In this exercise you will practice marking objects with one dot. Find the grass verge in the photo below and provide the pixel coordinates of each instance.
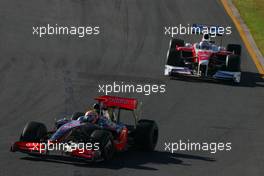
(252, 12)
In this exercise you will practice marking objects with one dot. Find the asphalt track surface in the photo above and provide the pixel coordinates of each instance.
(43, 79)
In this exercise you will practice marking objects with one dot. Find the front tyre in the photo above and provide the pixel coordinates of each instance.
(106, 144)
(233, 63)
(33, 132)
(234, 48)
(176, 42)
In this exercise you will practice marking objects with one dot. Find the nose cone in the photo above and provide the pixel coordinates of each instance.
(204, 55)
(64, 129)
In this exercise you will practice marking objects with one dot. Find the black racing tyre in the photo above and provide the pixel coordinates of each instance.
(176, 42)
(233, 63)
(236, 49)
(76, 115)
(174, 59)
(146, 136)
(106, 144)
(33, 131)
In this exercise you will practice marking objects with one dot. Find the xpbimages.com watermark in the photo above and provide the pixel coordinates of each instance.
(188, 145)
(66, 147)
(121, 87)
(79, 31)
(188, 29)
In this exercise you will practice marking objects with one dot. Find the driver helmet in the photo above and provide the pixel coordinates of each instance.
(206, 37)
(96, 106)
(100, 108)
(91, 117)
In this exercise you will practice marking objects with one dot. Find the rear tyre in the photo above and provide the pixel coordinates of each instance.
(146, 136)
(233, 63)
(76, 115)
(33, 131)
(176, 42)
(106, 144)
(234, 48)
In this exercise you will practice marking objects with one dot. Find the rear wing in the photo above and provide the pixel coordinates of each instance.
(122, 103)
(207, 29)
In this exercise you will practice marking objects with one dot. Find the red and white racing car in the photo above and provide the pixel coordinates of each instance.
(204, 60)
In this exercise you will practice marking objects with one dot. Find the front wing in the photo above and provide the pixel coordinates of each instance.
(186, 72)
(38, 149)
